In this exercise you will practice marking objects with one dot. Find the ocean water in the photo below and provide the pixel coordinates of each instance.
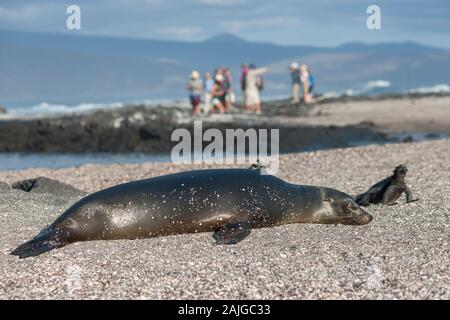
(19, 161)
(373, 87)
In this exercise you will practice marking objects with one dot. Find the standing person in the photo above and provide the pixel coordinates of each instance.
(304, 78)
(209, 82)
(295, 77)
(312, 83)
(252, 88)
(195, 87)
(219, 93)
(244, 72)
(227, 85)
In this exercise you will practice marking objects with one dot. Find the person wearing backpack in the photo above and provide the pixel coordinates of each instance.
(253, 85)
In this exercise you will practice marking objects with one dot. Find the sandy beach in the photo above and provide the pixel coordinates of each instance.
(420, 114)
(402, 254)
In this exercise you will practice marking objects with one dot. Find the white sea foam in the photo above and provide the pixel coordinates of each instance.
(370, 87)
(49, 108)
(330, 94)
(45, 108)
(439, 88)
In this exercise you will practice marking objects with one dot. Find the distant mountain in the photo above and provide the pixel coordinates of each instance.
(64, 68)
(225, 38)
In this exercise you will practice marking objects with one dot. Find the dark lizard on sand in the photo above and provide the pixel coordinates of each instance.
(388, 190)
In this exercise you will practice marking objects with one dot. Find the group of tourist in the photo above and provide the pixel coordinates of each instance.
(214, 92)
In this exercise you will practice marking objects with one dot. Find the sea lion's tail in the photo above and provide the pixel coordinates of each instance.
(45, 241)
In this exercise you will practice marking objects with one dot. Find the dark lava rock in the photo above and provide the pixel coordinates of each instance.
(432, 135)
(46, 185)
(408, 139)
(367, 123)
(286, 108)
(146, 129)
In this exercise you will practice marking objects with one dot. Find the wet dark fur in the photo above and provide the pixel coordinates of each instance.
(228, 202)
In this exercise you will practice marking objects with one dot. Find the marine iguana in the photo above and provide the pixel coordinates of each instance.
(388, 190)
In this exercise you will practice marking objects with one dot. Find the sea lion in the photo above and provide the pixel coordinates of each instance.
(388, 190)
(228, 202)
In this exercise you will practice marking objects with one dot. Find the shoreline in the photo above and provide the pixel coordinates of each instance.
(401, 254)
(184, 104)
(145, 129)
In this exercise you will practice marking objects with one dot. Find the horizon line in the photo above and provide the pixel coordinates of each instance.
(238, 37)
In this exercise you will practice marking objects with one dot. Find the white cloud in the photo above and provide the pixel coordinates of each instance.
(237, 26)
(19, 14)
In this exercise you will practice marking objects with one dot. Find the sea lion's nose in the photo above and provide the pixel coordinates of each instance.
(365, 218)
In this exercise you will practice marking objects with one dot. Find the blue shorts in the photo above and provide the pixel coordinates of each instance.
(195, 100)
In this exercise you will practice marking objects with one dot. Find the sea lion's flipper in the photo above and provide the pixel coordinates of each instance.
(232, 233)
(43, 242)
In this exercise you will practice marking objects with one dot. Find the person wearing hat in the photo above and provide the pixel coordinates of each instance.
(295, 76)
(195, 88)
(219, 93)
(253, 87)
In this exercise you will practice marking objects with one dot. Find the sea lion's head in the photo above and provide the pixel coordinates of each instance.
(347, 211)
(400, 171)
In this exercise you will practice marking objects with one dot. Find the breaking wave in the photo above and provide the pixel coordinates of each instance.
(45, 108)
(439, 88)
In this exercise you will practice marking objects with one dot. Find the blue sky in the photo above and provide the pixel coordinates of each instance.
(324, 23)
